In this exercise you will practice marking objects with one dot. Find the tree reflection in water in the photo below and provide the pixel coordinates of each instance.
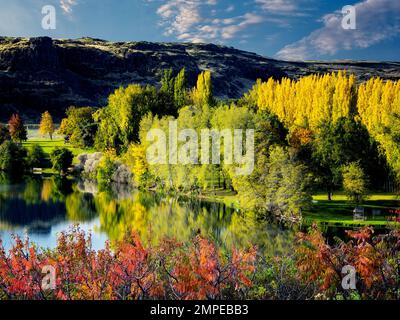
(40, 204)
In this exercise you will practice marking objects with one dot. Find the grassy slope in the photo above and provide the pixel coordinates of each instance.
(49, 145)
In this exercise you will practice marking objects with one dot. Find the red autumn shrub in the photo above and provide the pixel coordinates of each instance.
(20, 272)
(172, 270)
(200, 272)
(376, 260)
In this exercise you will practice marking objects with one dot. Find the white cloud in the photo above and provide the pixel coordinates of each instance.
(377, 20)
(289, 8)
(180, 16)
(230, 8)
(66, 5)
(222, 29)
(204, 21)
(247, 20)
(278, 6)
(193, 21)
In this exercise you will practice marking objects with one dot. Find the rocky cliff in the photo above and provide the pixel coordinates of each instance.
(40, 74)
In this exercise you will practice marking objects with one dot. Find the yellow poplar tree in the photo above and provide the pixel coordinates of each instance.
(308, 101)
(47, 125)
(304, 104)
(202, 94)
(379, 108)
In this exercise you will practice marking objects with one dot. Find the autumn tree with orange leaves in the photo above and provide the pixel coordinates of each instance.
(17, 128)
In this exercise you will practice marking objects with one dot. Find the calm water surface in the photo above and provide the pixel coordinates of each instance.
(42, 208)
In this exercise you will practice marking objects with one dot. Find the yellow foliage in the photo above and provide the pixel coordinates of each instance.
(46, 125)
(308, 101)
(202, 94)
(379, 108)
(111, 154)
(314, 99)
(135, 158)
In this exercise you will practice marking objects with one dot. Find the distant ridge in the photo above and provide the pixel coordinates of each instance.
(38, 74)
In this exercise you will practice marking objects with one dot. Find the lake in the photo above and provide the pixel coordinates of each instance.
(42, 208)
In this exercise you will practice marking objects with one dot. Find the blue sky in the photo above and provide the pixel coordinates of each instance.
(285, 29)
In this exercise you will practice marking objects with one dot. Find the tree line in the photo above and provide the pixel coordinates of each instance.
(16, 160)
(321, 132)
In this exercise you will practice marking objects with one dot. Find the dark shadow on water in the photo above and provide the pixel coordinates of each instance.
(37, 204)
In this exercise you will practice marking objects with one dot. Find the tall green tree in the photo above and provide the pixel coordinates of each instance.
(337, 144)
(12, 158)
(79, 127)
(172, 94)
(61, 159)
(119, 122)
(180, 89)
(355, 182)
(168, 82)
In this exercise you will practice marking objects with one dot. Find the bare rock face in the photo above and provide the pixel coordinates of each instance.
(39, 74)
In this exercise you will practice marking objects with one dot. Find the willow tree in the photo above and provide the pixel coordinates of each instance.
(278, 186)
(118, 122)
(355, 182)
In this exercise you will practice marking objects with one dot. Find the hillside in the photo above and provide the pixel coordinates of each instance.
(40, 74)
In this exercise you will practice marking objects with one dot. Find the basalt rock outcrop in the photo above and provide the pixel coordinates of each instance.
(39, 74)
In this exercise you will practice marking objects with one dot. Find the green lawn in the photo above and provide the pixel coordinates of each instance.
(340, 210)
(342, 197)
(49, 145)
(337, 212)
